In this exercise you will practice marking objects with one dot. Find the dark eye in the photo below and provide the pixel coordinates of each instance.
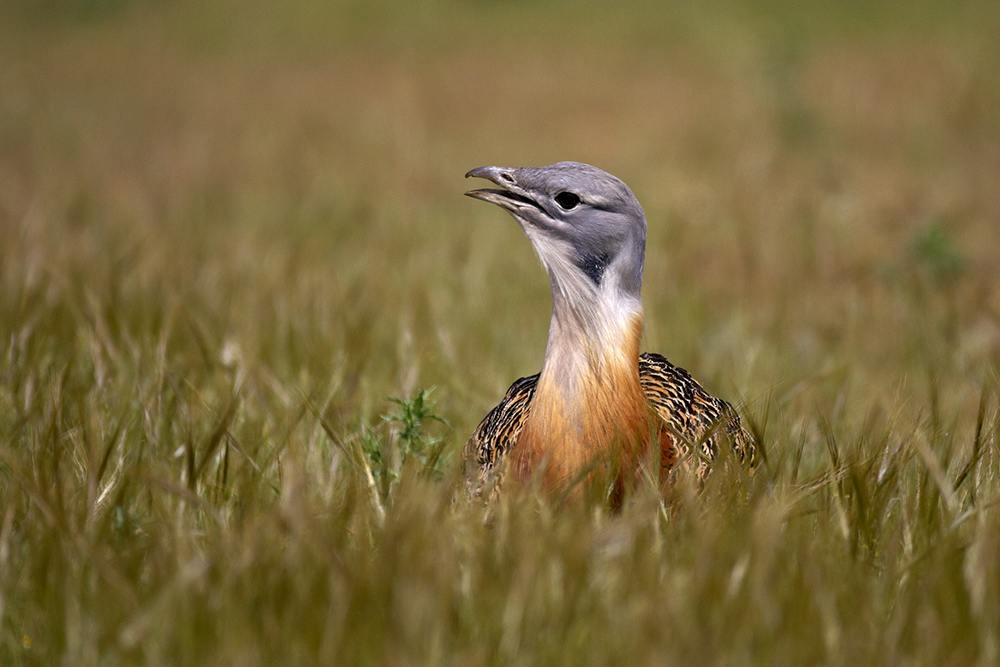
(567, 200)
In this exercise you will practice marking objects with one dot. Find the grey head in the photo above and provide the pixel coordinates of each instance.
(585, 224)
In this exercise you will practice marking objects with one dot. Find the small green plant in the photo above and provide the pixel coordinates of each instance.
(414, 416)
(409, 442)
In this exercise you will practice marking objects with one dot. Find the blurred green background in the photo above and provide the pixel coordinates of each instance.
(230, 231)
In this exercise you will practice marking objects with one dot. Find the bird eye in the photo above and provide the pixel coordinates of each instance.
(567, 200)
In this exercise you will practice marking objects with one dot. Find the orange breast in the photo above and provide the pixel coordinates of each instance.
(600, 424)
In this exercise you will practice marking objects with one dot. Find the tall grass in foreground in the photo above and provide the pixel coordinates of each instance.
(229, 235)
(138, 541)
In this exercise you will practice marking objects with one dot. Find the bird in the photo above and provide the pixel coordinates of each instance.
(597, 403)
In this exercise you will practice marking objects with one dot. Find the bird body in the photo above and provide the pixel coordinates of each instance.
(597, 404)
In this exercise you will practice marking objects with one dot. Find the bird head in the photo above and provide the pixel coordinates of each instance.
(585, 224)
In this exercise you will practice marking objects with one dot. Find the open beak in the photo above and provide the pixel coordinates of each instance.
(511, 197)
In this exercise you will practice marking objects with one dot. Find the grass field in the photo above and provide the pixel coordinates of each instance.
(229, 234)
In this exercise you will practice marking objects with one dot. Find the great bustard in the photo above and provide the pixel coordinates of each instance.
(597, 402)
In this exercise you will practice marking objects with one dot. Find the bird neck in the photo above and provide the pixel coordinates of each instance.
(589, 406)
(592, 340)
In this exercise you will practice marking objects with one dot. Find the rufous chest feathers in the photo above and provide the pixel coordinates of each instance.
(589, 415)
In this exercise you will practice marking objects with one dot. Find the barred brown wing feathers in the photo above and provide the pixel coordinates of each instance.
(695, 415)
(496, 434)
